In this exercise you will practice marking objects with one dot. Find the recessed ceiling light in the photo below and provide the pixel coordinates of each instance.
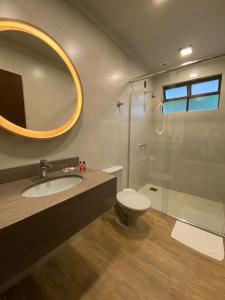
(185, 51)
(188, 62)
(159, 2)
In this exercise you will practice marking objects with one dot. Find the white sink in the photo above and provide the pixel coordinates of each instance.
(52, 186)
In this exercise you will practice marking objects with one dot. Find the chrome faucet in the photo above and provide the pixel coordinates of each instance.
(44, 166)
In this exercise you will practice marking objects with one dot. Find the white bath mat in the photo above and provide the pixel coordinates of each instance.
(199, 240)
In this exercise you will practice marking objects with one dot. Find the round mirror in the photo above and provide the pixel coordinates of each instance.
(40, 90)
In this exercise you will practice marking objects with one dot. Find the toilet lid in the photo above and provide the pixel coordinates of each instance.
(133, 200)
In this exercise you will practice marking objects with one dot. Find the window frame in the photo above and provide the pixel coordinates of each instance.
(189, 84)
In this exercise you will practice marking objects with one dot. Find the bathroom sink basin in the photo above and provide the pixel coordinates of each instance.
(52, 186)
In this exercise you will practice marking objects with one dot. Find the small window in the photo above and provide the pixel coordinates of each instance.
(175, 106)
(209, 86)
(176, 92)
(201, 94)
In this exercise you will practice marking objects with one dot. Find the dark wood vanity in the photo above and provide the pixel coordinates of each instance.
(32, 228)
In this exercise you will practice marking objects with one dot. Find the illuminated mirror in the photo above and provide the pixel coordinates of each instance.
(40, 90)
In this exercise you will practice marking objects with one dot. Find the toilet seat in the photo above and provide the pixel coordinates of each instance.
(133, 200)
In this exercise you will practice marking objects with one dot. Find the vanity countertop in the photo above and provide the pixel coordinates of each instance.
(14, 207)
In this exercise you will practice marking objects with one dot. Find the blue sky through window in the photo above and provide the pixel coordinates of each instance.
(176, 92)
(205, 87)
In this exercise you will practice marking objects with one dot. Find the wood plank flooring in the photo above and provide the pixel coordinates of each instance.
(105, 262)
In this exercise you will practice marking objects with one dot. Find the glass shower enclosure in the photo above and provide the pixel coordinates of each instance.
(177, 159)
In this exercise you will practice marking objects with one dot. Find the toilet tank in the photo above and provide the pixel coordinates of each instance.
(116, 171)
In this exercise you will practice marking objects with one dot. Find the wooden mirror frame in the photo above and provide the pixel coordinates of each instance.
(9, 24)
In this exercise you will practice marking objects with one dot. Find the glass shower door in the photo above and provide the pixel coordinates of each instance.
(177, 159)
(146, 149)
(196, 190)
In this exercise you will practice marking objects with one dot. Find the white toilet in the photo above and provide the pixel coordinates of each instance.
(130, 204)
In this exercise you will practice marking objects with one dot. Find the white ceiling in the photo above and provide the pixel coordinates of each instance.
(152, 31)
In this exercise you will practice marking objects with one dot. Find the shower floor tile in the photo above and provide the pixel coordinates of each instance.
(204, 213)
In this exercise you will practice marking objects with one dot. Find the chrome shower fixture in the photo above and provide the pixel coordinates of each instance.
(119, 104)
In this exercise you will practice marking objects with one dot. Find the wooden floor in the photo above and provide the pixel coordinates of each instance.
(106, 262)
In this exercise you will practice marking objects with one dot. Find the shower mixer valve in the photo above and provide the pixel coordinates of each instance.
(142, 146)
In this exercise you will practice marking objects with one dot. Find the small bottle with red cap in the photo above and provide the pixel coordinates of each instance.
(82, 166)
